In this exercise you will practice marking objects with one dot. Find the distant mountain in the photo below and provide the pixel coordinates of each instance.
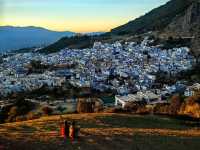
(12, 38)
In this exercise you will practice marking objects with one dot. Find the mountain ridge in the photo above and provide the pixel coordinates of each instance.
(26, 37)
(30, 27)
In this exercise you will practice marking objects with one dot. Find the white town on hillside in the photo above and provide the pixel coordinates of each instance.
(129, 69)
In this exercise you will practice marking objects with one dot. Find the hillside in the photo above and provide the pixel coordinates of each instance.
(77, 42)
(177, 18)
(187, 25)
(157, 19)
(27, 37)
(103, 131)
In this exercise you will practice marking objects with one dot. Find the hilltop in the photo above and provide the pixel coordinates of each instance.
(103, 131)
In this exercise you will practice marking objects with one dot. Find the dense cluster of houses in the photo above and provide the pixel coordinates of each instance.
(125, 68)
(155, 96)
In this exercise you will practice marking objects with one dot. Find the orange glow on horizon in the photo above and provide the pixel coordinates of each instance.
(81, 27)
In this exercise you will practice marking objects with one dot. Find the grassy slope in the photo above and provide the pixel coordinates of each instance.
(103, 131)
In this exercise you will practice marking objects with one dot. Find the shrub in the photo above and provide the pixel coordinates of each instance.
(12, 114)
(21, 118)
(143, 110)
(47, 110)
(31, 116)
(161, 109)
(175, 105)
(13, 111)
(61, 109)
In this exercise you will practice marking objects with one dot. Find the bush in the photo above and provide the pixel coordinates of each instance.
(12, 114)
(175, 105)
(47, 110)
(21, 118)
(114, 110)
(191, 106)
(144, 110)
(61, 109)
(13, 111)
(161, 109)
(131, 107)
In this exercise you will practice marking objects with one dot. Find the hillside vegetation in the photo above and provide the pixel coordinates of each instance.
(77, 42)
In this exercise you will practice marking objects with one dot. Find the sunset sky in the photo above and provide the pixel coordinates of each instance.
(73, 15)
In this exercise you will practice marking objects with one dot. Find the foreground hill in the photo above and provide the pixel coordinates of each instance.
(26, 37)
(103, 131)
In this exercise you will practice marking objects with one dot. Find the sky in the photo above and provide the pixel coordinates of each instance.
(74, 15)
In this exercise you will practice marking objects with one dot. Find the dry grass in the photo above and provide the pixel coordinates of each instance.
(116, 131)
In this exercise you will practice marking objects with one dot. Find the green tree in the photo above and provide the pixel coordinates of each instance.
(61, 109)
(47, 110)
